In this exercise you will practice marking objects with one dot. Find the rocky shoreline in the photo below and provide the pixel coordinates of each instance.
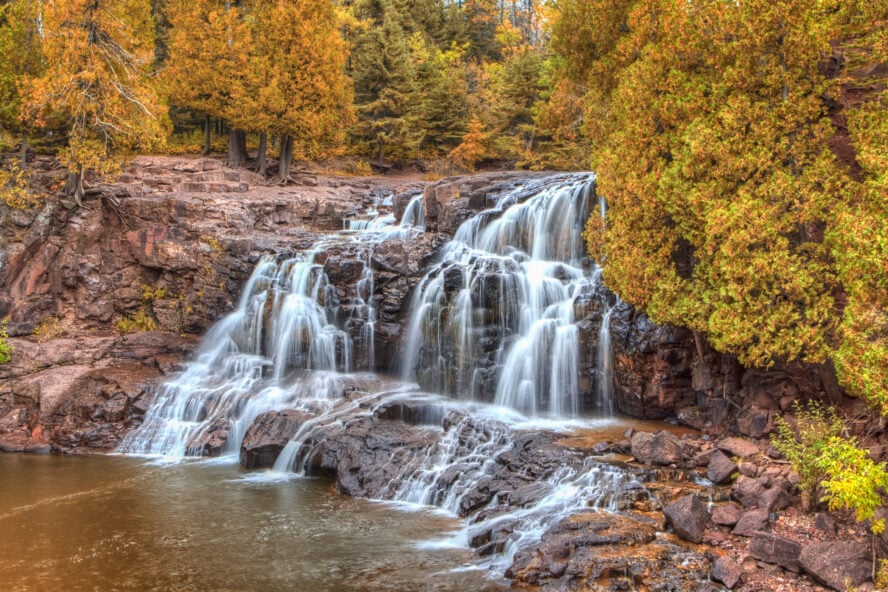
(175, 239)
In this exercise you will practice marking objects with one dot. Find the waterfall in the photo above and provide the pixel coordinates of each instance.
(414, 213)
(494, 320)
(494, 335)
(280, 347)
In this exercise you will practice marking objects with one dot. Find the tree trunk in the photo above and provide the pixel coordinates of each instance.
(74, 187)
(237, 148)
(24, 149)
(261, 162)
(380, 150)
(286, 157)
(208, 128)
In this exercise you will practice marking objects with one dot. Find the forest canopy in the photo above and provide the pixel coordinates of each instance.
(742, 147)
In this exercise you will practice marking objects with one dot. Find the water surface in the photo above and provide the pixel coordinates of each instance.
(114, 523)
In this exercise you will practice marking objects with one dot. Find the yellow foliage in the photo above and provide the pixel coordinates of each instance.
(471, 150)
(50, 328)
(99, 58)
(15, 188)
(138, 323)
(728, 211)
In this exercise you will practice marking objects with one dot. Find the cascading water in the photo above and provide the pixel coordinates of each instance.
(494, 321)
(280, 346)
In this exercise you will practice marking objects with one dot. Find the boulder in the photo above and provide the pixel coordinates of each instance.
(662, 448)
(837, 564)
(726, 514)
(267, 436)
(688, 517)
(772, 548)
(748, 491)
(720, 468)
(775, 499)
(751, 522)
(727, 571)
(738, 447)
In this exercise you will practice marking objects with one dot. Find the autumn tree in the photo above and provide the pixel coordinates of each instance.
(471, 149)
(21, 60)
(712, 145)
(208, 50)
(99, 55)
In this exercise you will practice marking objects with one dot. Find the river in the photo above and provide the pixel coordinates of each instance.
(116, 523)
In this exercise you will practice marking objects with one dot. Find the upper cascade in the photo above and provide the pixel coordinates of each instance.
(495, 320)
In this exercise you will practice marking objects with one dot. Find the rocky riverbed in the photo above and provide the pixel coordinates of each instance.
(172, 242)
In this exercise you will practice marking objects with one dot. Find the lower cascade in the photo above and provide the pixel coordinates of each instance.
(506, 350)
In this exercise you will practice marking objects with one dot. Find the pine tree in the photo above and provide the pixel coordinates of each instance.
(99, 55)
(21, 60)
(384, 69)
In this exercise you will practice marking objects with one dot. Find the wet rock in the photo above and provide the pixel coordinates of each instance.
(726, 514)
(267, 436)
(837, 564)
(751, 522)
(662, 448)
(720, 468)
(688, 517)
(211, 441)
(776, 549)
(573, 546)
(727, 571)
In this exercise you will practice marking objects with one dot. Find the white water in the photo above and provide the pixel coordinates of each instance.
(494, 320)
(499, 308)
(278, 349)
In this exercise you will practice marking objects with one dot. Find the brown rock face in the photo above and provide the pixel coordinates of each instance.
(720, 468)
(662, 448)
(727, 571)
(776, 549)
(838, 565)
(81, 394)
(268, 435)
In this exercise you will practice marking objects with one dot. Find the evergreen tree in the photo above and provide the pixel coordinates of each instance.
(383, 68)
(729, 212)
(99, 55)
(295, 85)
(21, 60)
(208, 49)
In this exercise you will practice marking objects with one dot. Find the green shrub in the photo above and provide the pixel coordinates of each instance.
(5, 348)
(806, 444)
(827, 459)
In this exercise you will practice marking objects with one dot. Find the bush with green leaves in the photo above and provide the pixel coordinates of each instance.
(5, 348)
(806, 443)
(829, 461)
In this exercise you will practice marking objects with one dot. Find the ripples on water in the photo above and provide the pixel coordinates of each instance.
(90, 523)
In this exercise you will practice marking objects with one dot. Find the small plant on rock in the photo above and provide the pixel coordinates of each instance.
(825, 458)
(138, 323)
(806, 444)
(5, 348)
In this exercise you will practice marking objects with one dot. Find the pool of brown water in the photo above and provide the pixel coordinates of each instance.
(117, 523)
